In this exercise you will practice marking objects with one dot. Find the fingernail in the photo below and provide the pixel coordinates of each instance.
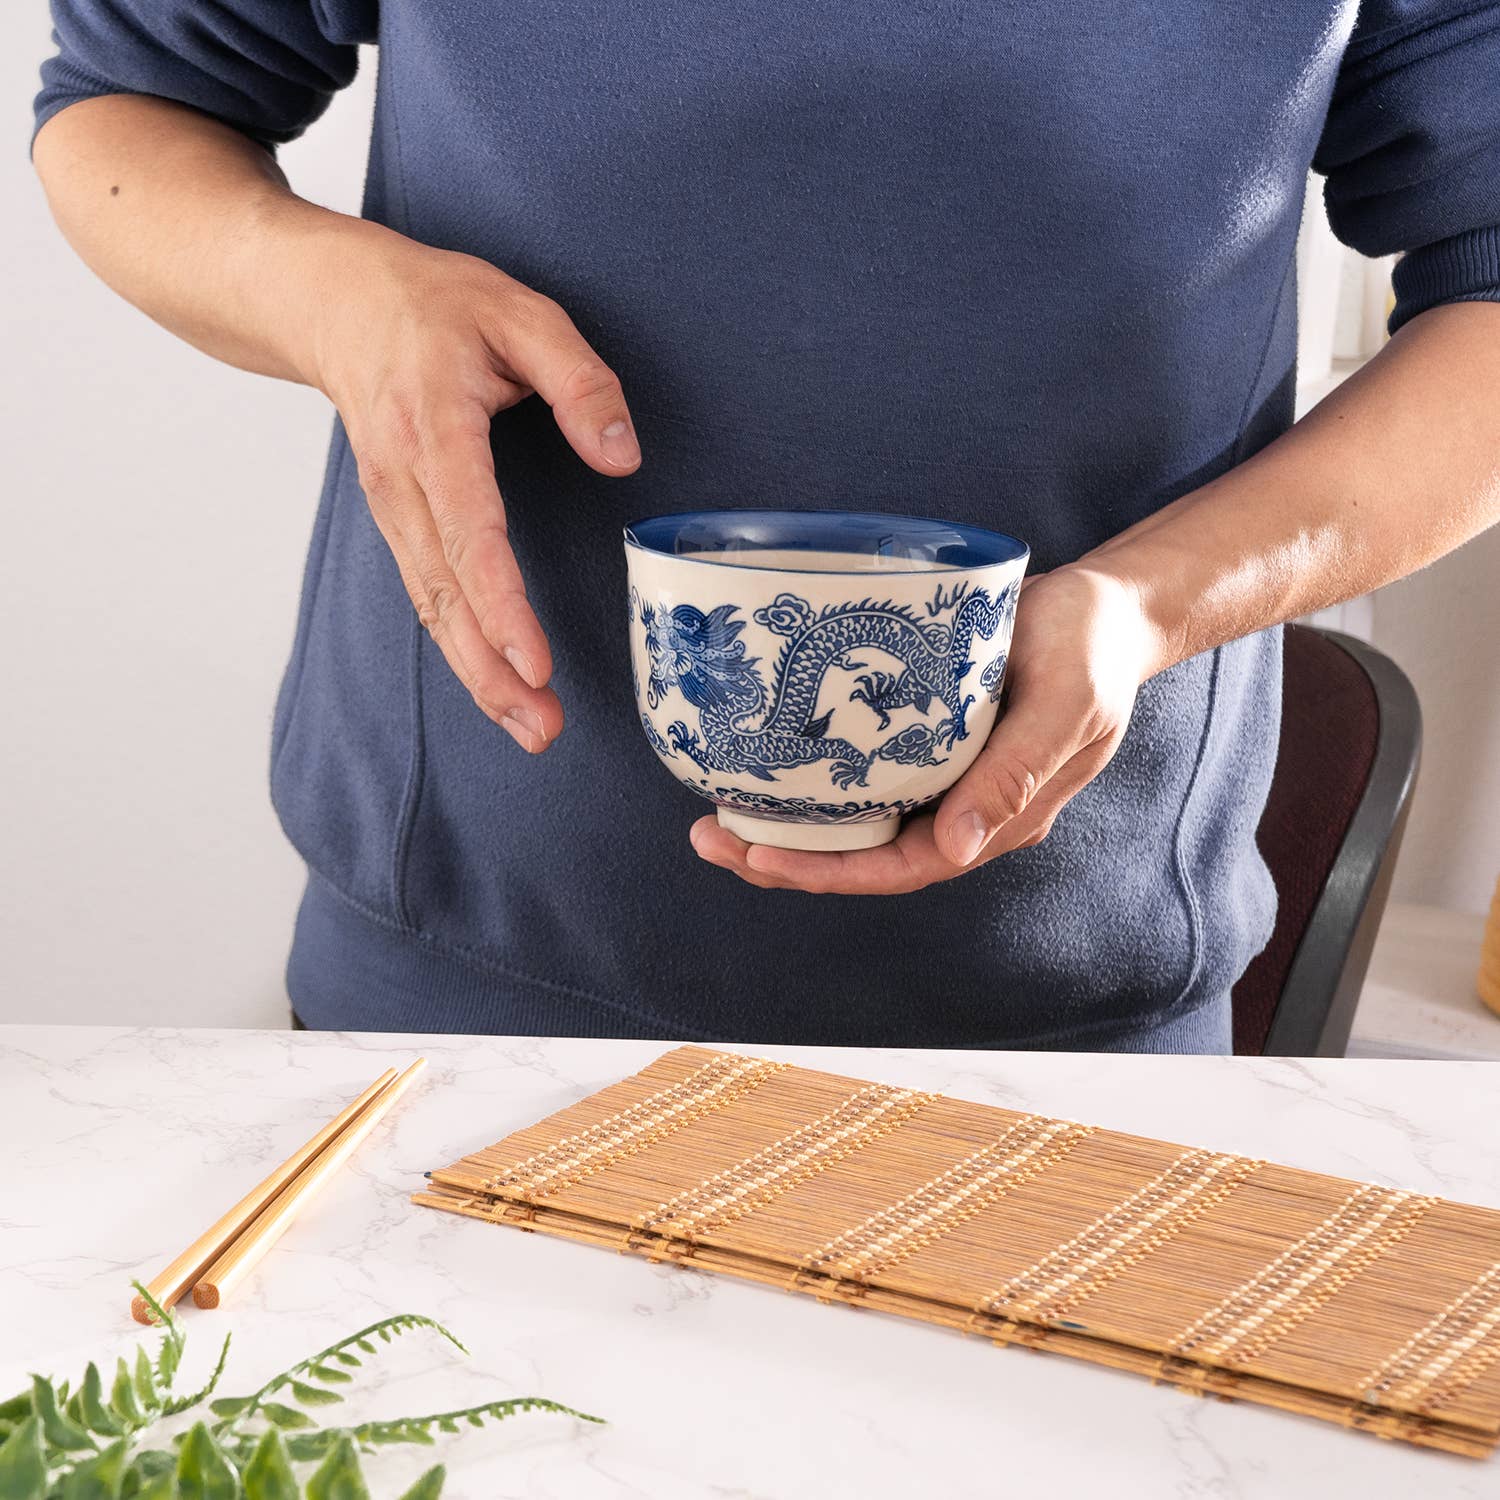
(617, 443)
(522, 663)
(966, 838)
(524, 727)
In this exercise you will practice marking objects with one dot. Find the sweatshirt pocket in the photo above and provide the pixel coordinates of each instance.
(344, 747)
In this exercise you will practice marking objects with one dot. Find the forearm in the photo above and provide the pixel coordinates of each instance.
(1398, 466)
(417, 347)
(195, 224)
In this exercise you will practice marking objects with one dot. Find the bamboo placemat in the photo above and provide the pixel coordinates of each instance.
(1226, 1276)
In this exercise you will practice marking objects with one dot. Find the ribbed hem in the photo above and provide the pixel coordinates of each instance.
(349, 971)
(1204, 1031)
(1465, 268)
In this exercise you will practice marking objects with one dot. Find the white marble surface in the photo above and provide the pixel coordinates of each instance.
(123, 1145)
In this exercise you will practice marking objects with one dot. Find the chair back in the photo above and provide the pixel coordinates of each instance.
(1351, 734)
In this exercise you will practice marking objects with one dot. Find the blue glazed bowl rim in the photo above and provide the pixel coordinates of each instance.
(828, 531)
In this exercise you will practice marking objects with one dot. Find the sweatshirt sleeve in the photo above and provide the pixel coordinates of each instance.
(1411, 148)
(266, 67)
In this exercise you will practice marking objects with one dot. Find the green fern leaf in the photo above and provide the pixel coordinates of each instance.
(381, 1434)
(306, 1447)
(169, 1357)
(203, 1472)
(59, 1431)
(91, 1408)
(144, 1381)
(385, 1329)
(23, 1466)
(149, 1463)
(100, 1478)
(286, 1417)
(312, 1395)
(338, 1477)
(419, 1429)
(49, 1437)
(122, 1398)
(429, 1486)
(161, 1486)
(182, 1403)
(268, 1475)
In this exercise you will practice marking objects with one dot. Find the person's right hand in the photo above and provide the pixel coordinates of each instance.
(418, 349)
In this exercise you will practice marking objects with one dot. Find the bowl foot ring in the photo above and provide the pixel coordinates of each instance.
(782, 833)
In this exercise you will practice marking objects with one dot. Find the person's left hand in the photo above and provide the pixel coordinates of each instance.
(1083, 645)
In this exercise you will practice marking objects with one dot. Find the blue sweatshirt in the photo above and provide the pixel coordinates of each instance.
(1027, 266)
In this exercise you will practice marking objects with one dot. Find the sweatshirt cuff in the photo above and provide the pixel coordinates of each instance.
(1465, 268)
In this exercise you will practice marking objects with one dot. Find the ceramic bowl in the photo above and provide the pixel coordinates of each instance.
(816, 674)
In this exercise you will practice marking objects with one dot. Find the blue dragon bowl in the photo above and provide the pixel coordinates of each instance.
(817, 674)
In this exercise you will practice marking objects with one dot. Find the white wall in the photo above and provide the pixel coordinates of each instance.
(157, 509)
(1443, 627)
(157, 506)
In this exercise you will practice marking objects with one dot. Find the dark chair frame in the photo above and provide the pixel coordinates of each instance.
(1315, 1012)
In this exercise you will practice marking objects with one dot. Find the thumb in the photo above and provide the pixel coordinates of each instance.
(1025, 750)
(549, 354)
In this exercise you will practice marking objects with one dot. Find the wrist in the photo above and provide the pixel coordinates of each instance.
(1153, 607)
(326, 270)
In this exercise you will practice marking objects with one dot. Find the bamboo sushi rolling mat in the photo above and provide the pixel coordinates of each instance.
(1227, 1276)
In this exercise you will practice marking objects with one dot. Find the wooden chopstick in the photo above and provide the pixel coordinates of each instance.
(240, 1257)
(171, 1283)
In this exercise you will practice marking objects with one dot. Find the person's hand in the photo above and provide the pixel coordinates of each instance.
(418, 349)
(1082, 648)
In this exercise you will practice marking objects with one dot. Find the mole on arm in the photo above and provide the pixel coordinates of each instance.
(114, 192)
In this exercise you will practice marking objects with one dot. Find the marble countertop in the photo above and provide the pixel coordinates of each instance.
(132, 1141)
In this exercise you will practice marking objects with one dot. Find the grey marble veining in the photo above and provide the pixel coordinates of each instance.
(123, 1145)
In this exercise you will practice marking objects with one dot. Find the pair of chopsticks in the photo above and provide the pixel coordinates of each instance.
(220, 1258)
